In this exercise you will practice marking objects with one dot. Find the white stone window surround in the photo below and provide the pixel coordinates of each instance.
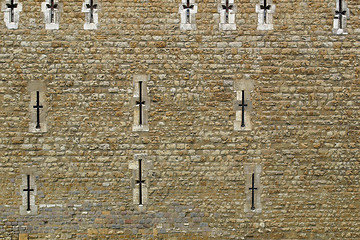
(227, 23)
(51, 20)
(265, 18)
(146, 166)
(35, 88)
(91, 21)
(340, 17)
(11, 17)
(247, 86)
(188, 10)
(24, 194)
(249, 170)
(144, 126)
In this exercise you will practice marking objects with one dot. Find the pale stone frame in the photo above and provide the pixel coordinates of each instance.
(15, 24)
(87, 24)
(232, 24)
(33, 207)
(261, 25)
(145, 125)
(47, 17)
(33, 87)
(336, 29)
(145, 168)
(249, 169)
(248, 87)
(183, 23)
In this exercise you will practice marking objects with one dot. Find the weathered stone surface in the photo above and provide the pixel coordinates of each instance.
(305, 123)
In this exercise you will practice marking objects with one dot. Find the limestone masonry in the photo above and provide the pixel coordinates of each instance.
(186, 119)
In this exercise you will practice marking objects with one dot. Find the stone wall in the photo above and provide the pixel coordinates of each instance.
(305, 123)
